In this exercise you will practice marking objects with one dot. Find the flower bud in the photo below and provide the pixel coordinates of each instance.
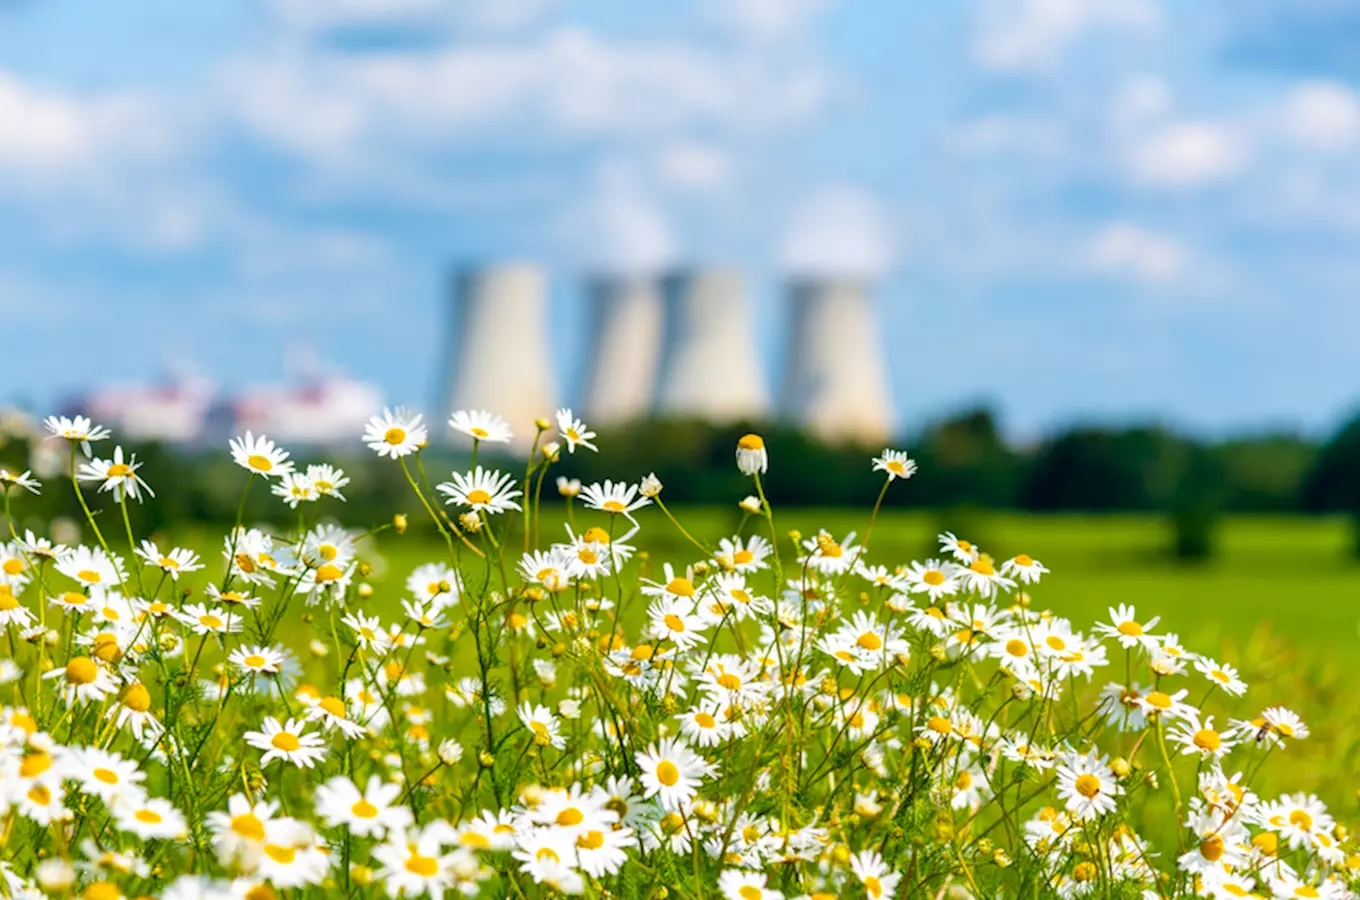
(750, 505)
(450, 752)
(651, 486)
(399, 523)
(471, 522)
(485, 759)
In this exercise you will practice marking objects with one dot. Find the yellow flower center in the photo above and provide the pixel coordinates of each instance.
(478, 497)
(333, 706)
(1159, 700)
(88, 575)
(742, 557)
(210, 621)
(1207, 739)
(751, 442)
(869, 641)
(1087, 785)
(34, 764)
(328, 573)
(394, 436)
(749, 892)
(570, 816)
(424, 866)
(364, 810)
(13, 566)
(674, 622)
(933, 577)
(108, 776)
(254, 661)
(591, 840)
(705, 720)
(667, 773)
(940, 725)
(136, 697)
(1211, 848)
(285, 742)
(248, 826)
(149, 816)
(1130, 628)
(81, 670)
(680, 587)
(259, 463)
(117, 470)
(280, 853)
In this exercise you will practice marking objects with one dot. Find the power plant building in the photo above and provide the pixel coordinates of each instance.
(709, 368)
(835, 377)
(626, 321)
(499, 348)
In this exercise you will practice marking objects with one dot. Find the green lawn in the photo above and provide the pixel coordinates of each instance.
(1290, 576)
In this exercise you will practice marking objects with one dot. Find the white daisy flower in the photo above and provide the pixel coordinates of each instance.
(481, 426)
(672, 772)
(574, 431)
(396, 433)
(259, 456)
(288, 741)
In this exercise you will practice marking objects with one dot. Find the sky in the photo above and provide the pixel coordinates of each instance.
(1073, 210)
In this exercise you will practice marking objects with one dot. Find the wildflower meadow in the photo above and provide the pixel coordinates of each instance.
(543, 707)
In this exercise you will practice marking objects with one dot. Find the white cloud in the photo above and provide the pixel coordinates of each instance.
(1034, 34)
(1126, 250)
(566, 82)
(320, 15)
(1138, 100)
(45, 132)
(997, 134)
(623, 229)
(1186, 155)
(1322, 115)
(694, 165)
(839, 230)
(767, 20)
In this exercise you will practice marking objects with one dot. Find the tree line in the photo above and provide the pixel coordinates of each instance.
(965, 464)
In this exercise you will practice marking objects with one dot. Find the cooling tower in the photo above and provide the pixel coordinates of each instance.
(835, 379)
(709, 368)
(500, 358)
(626, 322)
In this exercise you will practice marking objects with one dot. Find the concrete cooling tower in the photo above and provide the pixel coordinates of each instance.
(709, 368)
(835, 380)
(500, 358)
(626, 319)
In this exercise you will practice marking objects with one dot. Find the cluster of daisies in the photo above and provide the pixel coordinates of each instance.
(779, 718)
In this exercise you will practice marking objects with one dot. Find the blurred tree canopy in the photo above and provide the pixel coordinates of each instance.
(965, 465)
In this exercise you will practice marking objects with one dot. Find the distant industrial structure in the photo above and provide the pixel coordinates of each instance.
(835, 375)
(311, 407)
(675, 345)
(501, 359)
(680, 345)
(709, 367)
(628, 323)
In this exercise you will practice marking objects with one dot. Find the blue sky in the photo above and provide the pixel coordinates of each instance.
(1073, 209)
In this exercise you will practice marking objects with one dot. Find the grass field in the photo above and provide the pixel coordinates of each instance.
(1288, 576)
(1278, 599)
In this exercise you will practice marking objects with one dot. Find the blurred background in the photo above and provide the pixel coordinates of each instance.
(1083, 258)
